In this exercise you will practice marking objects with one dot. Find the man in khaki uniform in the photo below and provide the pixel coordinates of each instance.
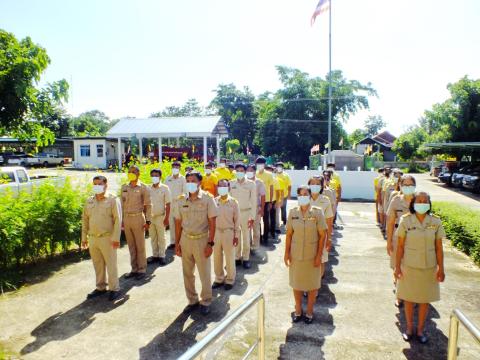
(160, 196)
(137, 215)
(195, 216)
(101, 223)
(176, 183)
(267, 179)
(257, 227)
(227, 232)
(245, 192)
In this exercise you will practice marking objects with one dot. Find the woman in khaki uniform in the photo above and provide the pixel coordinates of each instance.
(306, 234)
(419, 262)
(318, 199)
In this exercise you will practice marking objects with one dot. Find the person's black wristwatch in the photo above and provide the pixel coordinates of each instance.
(148, 222)
(211, 243)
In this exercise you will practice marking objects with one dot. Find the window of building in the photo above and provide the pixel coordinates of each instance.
(100, 150)
(85, 150)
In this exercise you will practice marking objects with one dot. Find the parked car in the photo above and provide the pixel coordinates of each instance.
(1, 159)
(24, 161)
(457, 177)
(472, 180)
(16, 178)
(446, 174)
(50, 159)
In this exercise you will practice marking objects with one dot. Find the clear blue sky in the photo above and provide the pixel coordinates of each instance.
(134, 57)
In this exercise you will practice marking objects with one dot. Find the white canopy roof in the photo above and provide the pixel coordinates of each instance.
(196, 126)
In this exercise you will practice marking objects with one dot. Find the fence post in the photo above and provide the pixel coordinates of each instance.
(453, 338)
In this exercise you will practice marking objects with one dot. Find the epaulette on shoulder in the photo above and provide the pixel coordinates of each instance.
(405, 215)
(209, 194)
(436, 216)
(181, 196)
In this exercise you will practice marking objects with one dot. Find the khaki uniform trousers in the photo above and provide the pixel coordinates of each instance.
(243, 248)
(171, 223)
(157, 236)
(104, 256)
(193, 253)
(224, 246)
(135, 234)
(256, 232)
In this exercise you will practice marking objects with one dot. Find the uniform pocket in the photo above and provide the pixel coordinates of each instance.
(413, 258)
(296, 250)
(311, 249)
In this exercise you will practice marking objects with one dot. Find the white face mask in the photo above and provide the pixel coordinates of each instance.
(240, 175)
(192, 187)
(208, 171)
(250, 174)
(175, 171)
(221, 165)
(155, 180)
(260, 167)
(223, 190)
(98, 189)
(303, 200)
(315, 189)
(279, 169)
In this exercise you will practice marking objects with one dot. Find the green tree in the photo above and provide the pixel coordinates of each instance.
(409, 145)
(294, 118)
(356, 136)
(373, 125)
(190, 108)
(91, 123)
(232, 145)
(24, 107)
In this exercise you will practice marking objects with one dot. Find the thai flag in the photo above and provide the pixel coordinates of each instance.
(322, 6)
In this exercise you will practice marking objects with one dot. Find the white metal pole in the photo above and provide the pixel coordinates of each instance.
(160, 152)
(204, 150)
(140, 148)
(330, 78)
(119, 153)
(218, 148)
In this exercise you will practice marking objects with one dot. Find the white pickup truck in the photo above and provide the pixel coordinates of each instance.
(50, 159)
(24, 161)
(17, 179)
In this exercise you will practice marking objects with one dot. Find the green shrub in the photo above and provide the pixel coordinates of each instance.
(462, 226)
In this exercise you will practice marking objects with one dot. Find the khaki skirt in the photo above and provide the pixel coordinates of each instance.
(304, 276)
(418, 285)
(393, 257)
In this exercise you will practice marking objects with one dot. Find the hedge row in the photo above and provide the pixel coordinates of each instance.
(462, 226)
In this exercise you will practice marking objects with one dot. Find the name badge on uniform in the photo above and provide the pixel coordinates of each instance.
(431, 227)
(412, 228)
(295, 218)
(312, 218)
(185, 206)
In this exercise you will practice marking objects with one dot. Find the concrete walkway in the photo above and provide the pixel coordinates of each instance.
(354, 319)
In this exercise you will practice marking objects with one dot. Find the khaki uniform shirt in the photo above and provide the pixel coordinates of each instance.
(323, 202)
(420, 240)
(260, 192)
(177, 186)
(136, 199)
(160, 197)
(195, 213)
(331, 195)
(305, 232)
(101, 218)
(246, 194)
(398, 207)
(228, 215)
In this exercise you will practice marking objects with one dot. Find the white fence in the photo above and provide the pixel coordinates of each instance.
(355, 184)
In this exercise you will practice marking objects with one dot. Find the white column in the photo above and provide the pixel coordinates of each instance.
(119, 154)
(160, 154)
(178, 142)
(204, 149)
(140, 148)
(218, 148)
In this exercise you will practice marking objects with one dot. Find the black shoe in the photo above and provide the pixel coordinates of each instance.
(246, 264)
(407, 337)
(162, 261)
(189, 308)
(113, 295)
(171, 247)
(228, 287)
(399, 303)
(152, 259)
(204, 310)
(216, 285)
(95, 293)
(422, 339)
(308, 320)
(140, 276)
(238, 262)
(130, 275)
(278, 231)
(296, 318)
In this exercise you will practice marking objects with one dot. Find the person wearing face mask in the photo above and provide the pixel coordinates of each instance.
(195, 217)
(177, 185)
(101, 228)
(222, 171)
(393, 189)
(267, 178)
(227, 232)
(399, 206)
(256, 230)
(245, 192)
(210, 180)
(376, 184)
(383, 184)
(137, 215)
(323, 202)
(275, 213)
(160, 196)
(335, 185)
(287, 188)
(329, 192)
(419, 262)
(306, 234)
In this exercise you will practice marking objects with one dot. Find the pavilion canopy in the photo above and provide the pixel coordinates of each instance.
(455, 146)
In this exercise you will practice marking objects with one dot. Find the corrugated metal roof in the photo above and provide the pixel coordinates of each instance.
(197, 126)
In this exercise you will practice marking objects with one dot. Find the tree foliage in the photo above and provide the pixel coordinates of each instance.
(373, 125)
(190, 108)
(409, 145)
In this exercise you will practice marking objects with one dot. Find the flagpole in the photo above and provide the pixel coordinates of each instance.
(330, 78)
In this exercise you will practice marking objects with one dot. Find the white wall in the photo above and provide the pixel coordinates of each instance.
(355, 184)
(92, 161)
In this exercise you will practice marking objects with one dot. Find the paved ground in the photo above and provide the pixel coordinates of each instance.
(354, 318)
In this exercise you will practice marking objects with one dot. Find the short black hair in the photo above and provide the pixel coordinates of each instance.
(210, 163)
(381, 170)
(253, 166)
(303, 187)
(331, 164)
(137, 169)
(223, 160)
(101, 178)
(223, 179)
(412, 207)
(230, 166)
(194, 173)
(260, 160)
(176, 163)
(156, 170)
(280, 164)
(406, 177)
(241, 165)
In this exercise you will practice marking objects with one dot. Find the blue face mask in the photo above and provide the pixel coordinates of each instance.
(222, 190)
(240, 175)
(408, 190)
(421, 208)
(192, 187)
(315, 189)
(303, 200)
